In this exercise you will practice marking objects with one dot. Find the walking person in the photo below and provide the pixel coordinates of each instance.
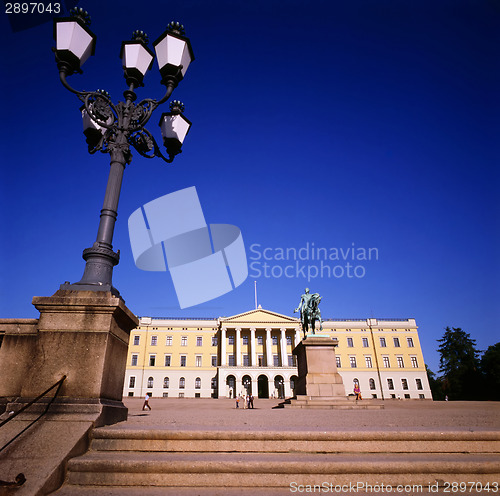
(146, 402)
(237, 401)
(250, 401)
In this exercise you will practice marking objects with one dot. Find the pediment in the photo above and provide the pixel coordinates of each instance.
(259, 316)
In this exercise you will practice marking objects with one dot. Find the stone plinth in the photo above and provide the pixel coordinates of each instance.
(318, 375)
(83, 335)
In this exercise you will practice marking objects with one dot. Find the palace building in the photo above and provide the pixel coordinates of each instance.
(252, 351)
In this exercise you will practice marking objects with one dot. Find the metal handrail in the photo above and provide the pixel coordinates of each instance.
(58, 384)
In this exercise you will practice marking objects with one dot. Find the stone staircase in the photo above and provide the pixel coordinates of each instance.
(128, 461)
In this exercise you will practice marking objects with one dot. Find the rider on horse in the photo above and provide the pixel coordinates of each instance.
(309, 311)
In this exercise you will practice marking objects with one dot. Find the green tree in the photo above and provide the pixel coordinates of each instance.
(490, 367)
(436, 385)
(459, 364)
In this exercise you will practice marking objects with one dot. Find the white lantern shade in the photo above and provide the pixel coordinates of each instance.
(173, 51)
(174, 127)
(74, 42)
(136, 57)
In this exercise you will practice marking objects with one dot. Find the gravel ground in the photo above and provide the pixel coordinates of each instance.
(221, 414)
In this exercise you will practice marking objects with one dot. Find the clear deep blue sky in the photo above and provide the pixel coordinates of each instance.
(325, 122)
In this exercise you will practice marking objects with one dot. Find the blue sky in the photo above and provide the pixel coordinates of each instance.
(325, 122)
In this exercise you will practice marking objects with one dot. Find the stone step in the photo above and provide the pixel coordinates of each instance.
(109, 439)
(118, 468)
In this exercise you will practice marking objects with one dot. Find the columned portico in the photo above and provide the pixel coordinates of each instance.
(269, 355)
(284, 357)
(253, 349)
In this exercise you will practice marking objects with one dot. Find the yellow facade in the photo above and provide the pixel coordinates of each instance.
(253, 351)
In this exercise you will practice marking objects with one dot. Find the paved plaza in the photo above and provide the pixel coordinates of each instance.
(221, 414)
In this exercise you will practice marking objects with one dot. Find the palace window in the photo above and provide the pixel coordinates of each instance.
(152, 360)
(368, 361)
(184, 341)
(276, 360)
(230, 339)
(390, 384)
(137, 340)
(231, 361)
(260, 340)
(414, 362)
(198, 360)
(349, 342)
(291, 361)
(274, 340)
(133, 363)
(246, 360)
(372, 384)
(169, 341)
(401, 364)
(289, 340)
(337, 359)
(418, 382)
(387, 364)
(168, 359)
(404, 383)
(197, 383)
(166, 383)
(396, 342)
(352, 360)
(410, 342)
(150, 382)
(182, 383)
(260, 359)
(245, 339)
(214, 360)
(131, 382)
(365, 343)
(214, 340)
(183, 360)
(154, 340)
(383, 344)
(199, 340)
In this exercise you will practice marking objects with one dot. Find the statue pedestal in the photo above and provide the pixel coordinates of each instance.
(318, 376)
(319, 384)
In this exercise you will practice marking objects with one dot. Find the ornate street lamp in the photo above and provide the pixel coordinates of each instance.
(246, 384)
(114, 128)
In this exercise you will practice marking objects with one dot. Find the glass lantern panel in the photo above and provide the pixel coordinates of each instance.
(171, 50)
(174, 126)
(71, 36)
(137, 57)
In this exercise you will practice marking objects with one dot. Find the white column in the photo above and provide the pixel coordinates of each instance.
(297, 337)
(223, 359)
(253, 348)
(284, 356)
(238, 346)
(269, 355)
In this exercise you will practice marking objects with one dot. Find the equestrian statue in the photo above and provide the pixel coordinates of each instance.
(309, 311)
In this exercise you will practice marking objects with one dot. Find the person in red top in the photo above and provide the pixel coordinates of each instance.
(357, 391)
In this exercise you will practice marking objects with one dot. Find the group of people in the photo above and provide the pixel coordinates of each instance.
(246, 401)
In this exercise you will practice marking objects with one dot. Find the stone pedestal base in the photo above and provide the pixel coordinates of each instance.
(81, 334)
(318, 382)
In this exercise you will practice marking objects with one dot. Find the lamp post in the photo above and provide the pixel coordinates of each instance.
(246, 384)
(114, 128)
